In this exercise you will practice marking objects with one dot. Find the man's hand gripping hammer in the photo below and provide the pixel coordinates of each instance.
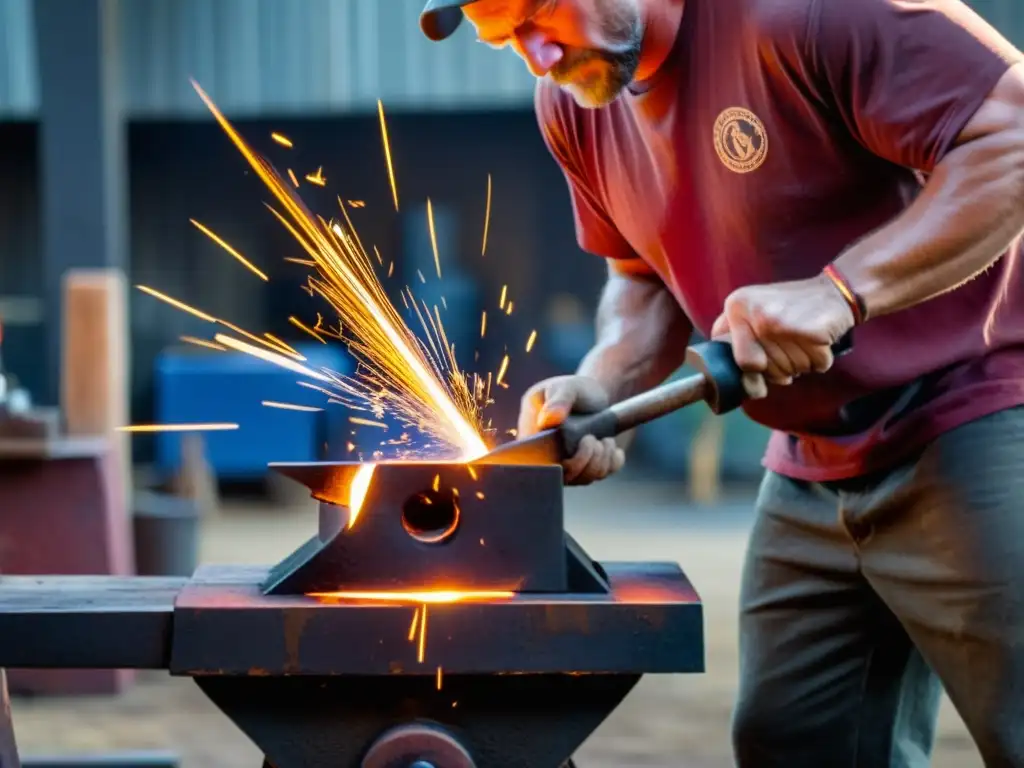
(718, 382)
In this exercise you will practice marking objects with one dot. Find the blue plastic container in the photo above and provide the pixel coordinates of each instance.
(203, 387)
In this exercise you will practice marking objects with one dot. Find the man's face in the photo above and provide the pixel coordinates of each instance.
(591, 48)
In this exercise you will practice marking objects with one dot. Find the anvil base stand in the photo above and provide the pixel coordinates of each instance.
(378, 682)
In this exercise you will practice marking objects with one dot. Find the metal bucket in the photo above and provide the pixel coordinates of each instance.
(166, 531)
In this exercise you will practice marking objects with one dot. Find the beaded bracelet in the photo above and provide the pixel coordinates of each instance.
(854, 299)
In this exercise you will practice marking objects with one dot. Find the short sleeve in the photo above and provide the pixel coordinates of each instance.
(906, 76)
(595, 232)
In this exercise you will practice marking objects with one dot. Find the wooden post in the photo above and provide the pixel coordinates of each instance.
(95, 372)
(706, 461)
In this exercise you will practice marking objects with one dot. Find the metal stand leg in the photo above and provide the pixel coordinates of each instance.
(9, 749)
(8, 746)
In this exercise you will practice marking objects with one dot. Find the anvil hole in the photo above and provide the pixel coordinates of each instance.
(431, 516)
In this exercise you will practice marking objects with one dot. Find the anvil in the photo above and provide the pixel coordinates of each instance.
(433, 629)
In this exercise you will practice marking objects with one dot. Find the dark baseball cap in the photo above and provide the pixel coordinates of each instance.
(440, 18)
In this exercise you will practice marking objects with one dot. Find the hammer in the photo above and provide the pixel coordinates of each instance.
(719, 383)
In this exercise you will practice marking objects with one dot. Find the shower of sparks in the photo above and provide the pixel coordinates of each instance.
(421, 384)
(291, 407)
(241, 259)
(531, 341)
(487, 217)
(281, 139)
(433, 237)
(178, 428)
(387, 152)
(203, 343)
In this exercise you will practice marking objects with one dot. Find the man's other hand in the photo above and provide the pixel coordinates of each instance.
(784, 330)
(547, 404)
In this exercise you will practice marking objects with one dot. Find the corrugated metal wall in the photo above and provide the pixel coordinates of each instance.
(271, 56)
(314, 57)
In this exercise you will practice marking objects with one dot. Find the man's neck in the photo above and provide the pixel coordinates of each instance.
(661, 20)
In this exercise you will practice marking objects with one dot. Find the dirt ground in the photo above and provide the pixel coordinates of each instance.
(667, 722)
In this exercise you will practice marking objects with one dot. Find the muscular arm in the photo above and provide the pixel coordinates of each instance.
(642, 333)
(968, 213)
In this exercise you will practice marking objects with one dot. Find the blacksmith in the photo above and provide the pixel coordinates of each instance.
(784, 171)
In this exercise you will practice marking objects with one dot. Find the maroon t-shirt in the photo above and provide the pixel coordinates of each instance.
(777, 133)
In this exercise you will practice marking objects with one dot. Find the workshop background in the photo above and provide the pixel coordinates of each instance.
(107, 152)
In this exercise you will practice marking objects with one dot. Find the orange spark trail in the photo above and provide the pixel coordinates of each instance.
(433, 237)
(241, 259)
(202, 343)
(421, 597)
(357, 491)
(423, 635)
(317, 178)
(270, 357)
(281, 139)
(178, 428)
(291, 407)
(531, 341)
(487, 217)
(415, 624)
(367, 422)
(177, 304)
(387, 151)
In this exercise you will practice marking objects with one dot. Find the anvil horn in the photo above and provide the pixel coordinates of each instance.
(326, 480)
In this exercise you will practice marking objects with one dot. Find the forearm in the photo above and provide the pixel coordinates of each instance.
(969, 212)
(642, 335)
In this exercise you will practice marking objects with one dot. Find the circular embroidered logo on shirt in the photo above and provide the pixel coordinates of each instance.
(740, 140)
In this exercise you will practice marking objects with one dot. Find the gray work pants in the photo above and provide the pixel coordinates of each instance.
(862, 599)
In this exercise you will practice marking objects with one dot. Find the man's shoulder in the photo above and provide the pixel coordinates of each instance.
(775, 19)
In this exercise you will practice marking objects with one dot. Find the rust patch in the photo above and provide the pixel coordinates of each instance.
(294, 625)
(567, 618)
